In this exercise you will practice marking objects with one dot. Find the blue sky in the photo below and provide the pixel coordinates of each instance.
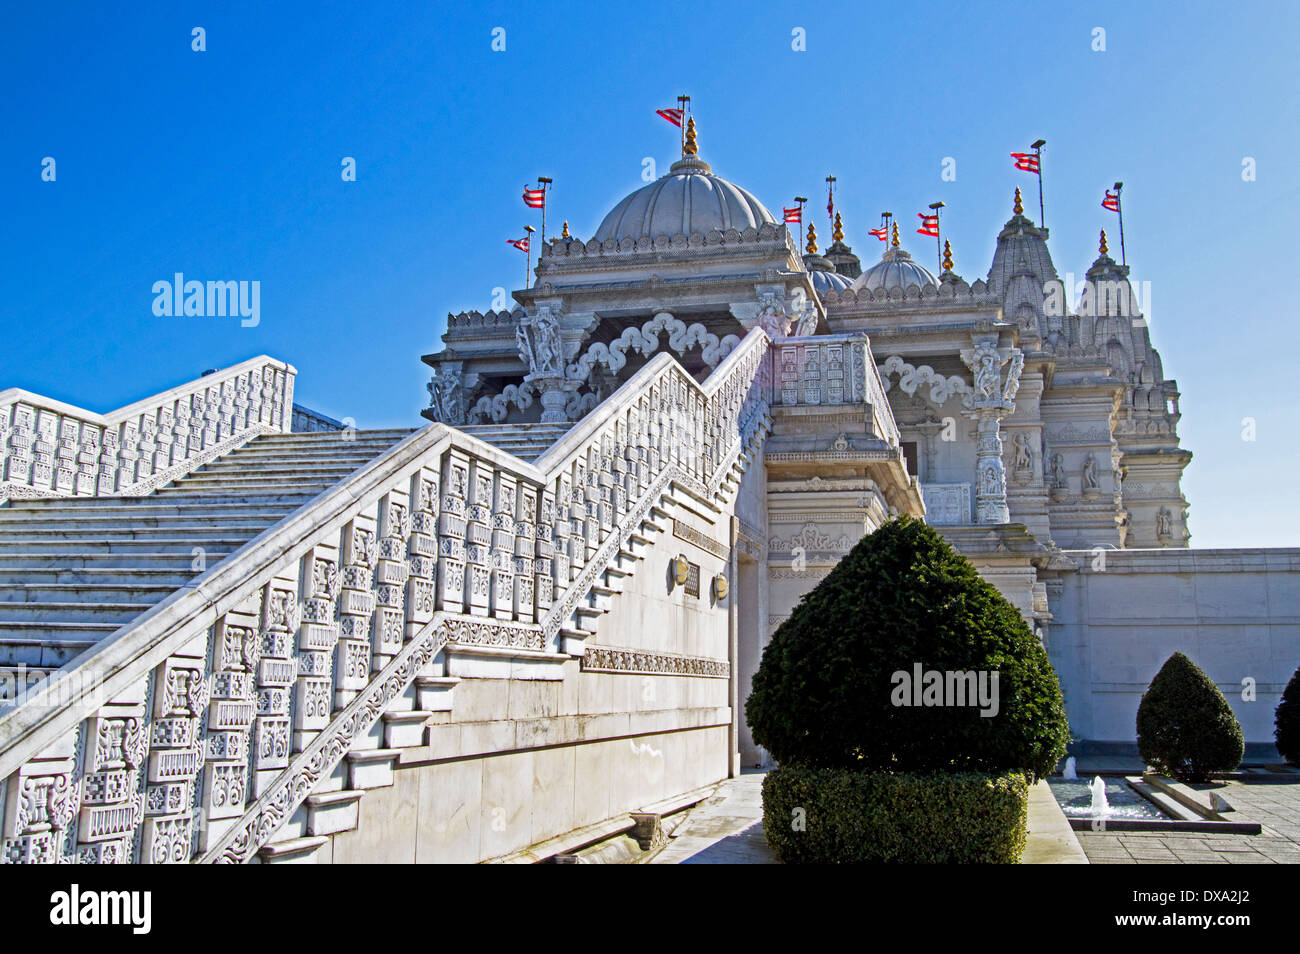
(225, 164)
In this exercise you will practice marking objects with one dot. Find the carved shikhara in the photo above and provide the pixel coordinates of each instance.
(684, 531)
(637, 662)
(206, 755)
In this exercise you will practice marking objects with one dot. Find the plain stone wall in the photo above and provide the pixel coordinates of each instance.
(1235, 613)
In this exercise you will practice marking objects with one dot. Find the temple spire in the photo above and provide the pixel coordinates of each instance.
(1104, 249)
(1018, 208)
(895, 242)
(811, 247)
(838, 234)
(947, 256)
(691, 146)
(565, 233)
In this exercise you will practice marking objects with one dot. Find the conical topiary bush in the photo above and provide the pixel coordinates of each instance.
(1286, 721)
(1185, 727)
(827, 692)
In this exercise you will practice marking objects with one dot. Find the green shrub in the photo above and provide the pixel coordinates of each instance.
(849, 816)
(1185, 727)
(1286, 725)
(823, 694)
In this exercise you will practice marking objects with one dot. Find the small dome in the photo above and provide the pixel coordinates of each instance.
(895, 270)
(830, 281)
(689, 199)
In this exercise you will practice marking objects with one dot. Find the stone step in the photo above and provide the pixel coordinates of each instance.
(98, 592)
(371, 768)
(122, 535)
(433, 693)
(42, 611)
(126, 506)
(299, 851)
(81, 576)
(307, 468)
(330, 813)
(141, 559)
(182, 521)
(152, 506)
(49, 645)
(16, 680)
(404, 730)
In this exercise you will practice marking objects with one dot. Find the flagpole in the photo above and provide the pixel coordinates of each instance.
(801, 199)
(528, 254)
(545, 183)
(830, 201)
(938, 230)
(1119, 208)
(1038, 155)
(685, 102)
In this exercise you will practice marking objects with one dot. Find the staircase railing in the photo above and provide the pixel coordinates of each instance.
(52, 449)
(195, 731)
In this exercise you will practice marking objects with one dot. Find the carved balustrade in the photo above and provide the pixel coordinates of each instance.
(52, 449)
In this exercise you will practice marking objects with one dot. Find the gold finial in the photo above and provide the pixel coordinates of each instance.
(947, 256)
(812, 239)
(692, 147)
(895, 242)
(838, 234)
(565, 233)
(1104, 249)
(1018, 208)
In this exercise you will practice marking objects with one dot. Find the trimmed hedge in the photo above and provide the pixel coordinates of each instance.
(851, 816)
(1286, 721)
(824, 692)
(1185, 727)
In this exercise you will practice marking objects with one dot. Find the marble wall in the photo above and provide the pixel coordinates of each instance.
(1235, 613)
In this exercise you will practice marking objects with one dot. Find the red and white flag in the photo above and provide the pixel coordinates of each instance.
(1111, 201)
(521, 244)
(881, 233)
(534, 198)
(673, 115)
(793, 215)
(1026, 161)
(929, 225)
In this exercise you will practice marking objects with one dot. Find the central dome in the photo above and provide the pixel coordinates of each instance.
(689, 199)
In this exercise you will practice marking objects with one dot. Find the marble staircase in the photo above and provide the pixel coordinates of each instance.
(74, 570)
(526, 441)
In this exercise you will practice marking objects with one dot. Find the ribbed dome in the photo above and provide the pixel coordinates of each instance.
(829, 281)
(894, 270)
(689, 199)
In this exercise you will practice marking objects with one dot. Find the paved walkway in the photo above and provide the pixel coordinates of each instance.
(724, 829)
(1271, 800)
(727, 828)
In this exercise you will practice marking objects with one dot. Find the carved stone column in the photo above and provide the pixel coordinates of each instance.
(989, 400)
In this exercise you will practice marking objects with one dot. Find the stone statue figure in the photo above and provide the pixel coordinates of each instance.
(990, 485)
(986, 375)
(1090, 473)
(771, 316)
(548, 350)
(445, 397)
(1058, 471)
(1164, 523)
(1024, 454)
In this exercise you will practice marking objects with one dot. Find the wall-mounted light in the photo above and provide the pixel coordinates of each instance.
(719, 588)
(681, 570)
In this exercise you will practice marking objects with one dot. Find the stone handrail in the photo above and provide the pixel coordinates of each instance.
(196, 730)
(52, 449)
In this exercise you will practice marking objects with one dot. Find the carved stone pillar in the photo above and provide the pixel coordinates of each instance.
(989, 400)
